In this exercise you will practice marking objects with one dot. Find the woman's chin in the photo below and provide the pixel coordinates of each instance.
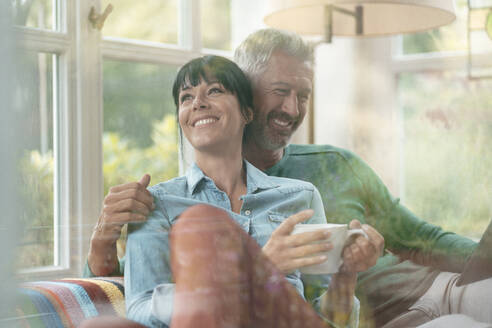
(202, 141)
(216, 143)
(205, 146)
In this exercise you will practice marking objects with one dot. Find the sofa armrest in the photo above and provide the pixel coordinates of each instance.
(67, 302)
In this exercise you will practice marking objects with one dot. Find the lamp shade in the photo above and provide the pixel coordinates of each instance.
(380, 17)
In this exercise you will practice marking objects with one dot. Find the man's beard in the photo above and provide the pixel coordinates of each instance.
(269, 138)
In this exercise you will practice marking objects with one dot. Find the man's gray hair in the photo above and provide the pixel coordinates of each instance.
(253, 54)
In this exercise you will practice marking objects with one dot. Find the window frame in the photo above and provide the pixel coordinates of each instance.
(60, 43)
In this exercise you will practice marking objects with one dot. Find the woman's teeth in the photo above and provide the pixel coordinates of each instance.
(205, 121)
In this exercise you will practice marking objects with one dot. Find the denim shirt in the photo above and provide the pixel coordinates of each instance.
(149, 286)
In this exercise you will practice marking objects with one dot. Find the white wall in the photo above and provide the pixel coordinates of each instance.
(334, 92)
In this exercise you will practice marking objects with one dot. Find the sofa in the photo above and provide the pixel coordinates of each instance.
(68, 302)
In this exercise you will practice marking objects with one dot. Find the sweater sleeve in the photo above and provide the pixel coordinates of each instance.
(405, 234)
(117, 272)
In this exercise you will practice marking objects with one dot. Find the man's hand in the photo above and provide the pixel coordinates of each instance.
(362, 253)
(337, 302)
(290, 252)
(129, 202)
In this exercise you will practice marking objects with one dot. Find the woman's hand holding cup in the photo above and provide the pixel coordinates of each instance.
(290, 252)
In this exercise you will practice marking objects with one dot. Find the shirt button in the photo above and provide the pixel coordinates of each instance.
(247, 212)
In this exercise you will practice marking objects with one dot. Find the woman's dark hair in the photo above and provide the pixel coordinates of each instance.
(224, 70)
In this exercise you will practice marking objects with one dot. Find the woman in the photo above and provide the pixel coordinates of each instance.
(206, 269)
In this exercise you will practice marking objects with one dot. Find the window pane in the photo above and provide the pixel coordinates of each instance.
(447, 153)
(140, 128)
(33, 97)
(447, 38)
(35, 13)
(149, 20)
(216, 24)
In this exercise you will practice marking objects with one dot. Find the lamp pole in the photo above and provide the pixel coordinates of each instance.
(358, 15)
(328, 23)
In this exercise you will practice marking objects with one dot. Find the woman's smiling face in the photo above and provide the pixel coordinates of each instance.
(210, 116)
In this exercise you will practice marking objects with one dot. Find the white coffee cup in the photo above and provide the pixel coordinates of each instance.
(340, 234)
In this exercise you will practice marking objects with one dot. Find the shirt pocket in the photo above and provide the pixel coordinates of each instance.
(264, 224)
(275, 219)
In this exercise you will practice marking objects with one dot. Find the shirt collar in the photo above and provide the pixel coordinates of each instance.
(255, 179)
(193, 176)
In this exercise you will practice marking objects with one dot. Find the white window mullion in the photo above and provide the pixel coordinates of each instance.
(145, 52)
(59, 21)
(443, 62)
(423, 62)
(57, 169)
(87, 130)
(65, 154)
(190, 32)
(42, 41)
(216, 52)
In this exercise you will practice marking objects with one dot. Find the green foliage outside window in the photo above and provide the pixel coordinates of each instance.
(36, 246)
(123, 163)
(149, 20)
(136, 96)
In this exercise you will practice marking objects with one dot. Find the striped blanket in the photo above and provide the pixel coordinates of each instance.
(67, 302)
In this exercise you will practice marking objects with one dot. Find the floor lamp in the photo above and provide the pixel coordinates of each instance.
(358, 17)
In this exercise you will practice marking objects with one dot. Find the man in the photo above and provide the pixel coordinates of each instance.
(395, 289)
